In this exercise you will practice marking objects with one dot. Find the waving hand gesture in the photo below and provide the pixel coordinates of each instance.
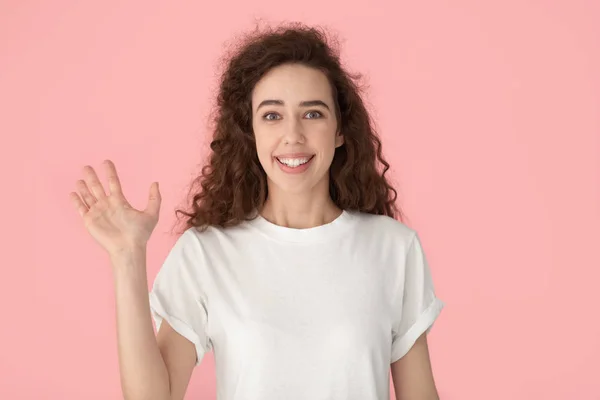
(109, 218)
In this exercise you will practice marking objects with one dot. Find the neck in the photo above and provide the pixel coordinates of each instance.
(299, 211)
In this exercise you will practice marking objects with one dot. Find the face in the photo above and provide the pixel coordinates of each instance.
(294, 122)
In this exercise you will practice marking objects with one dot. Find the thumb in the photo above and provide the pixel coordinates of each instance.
(154, 200)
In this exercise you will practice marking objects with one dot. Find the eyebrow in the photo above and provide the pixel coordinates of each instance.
(307, 103)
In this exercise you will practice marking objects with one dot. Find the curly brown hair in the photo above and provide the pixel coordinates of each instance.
(232, 185)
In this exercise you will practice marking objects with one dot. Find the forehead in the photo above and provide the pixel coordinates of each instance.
(292, 84)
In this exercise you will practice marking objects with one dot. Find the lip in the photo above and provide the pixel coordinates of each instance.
(294, 155)
(295, 170)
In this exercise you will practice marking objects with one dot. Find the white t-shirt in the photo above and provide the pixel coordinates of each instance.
(316, 313)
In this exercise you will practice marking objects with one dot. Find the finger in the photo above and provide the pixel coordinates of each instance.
(93, 183)
(114, 184)
(80, 206)
(86, 195)
(154, 200)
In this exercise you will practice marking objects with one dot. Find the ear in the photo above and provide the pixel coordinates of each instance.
(339, 139)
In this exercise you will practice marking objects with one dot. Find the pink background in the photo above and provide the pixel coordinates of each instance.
(490, 116)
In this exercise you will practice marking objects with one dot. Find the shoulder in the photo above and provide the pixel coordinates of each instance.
(383, 227)
(197, 251)
(214, 230)
(214, 236)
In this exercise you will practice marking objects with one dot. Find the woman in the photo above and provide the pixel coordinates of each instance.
(291, 267)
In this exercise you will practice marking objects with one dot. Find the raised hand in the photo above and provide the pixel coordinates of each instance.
(109, 218)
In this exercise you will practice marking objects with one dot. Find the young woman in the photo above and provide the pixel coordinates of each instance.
(293, 266)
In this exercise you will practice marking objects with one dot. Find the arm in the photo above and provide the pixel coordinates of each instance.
(150, 367)
(412, 374)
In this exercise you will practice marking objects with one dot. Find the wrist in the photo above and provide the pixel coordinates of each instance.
(129, 268)
(129, 257)
(128, 251)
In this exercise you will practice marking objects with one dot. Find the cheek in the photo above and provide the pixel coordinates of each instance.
(326, 143)
(331, 147)
(264, 151)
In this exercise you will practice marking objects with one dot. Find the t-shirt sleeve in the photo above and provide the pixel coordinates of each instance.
(415, 304)
(177, 296)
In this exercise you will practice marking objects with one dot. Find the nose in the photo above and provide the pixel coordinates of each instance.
(293, 132)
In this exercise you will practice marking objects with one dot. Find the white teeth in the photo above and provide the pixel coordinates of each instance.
(294, 162)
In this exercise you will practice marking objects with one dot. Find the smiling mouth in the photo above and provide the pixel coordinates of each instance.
(294, 162)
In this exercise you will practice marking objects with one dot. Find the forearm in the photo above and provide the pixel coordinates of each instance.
(142, 368)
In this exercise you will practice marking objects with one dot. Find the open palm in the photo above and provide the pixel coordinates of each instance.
(109, 218)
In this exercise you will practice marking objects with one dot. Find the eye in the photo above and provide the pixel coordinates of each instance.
(266, 116)
(314, 111)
